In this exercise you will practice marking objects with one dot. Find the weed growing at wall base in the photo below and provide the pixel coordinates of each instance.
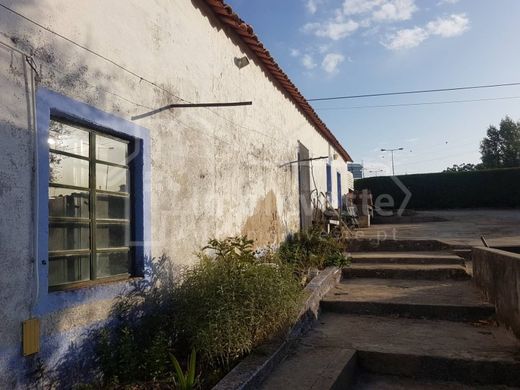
(232, 302)
(310, 249)
(222, 307)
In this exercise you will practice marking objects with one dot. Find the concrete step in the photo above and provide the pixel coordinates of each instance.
(307, 368)
(406, 271)
(368, 381)
(418, 353)
(426, 349)
(447, 300)
(391, 245)
(406, 258)
(474, 372)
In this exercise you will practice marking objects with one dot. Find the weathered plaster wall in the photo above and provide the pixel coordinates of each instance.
(215, 172)
(497, 274)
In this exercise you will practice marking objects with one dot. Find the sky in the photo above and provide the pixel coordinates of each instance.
(352, 47)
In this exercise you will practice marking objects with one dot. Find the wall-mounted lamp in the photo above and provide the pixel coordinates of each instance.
(241, 62)
(334, 156)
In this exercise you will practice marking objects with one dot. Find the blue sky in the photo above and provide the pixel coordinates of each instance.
(346, 47)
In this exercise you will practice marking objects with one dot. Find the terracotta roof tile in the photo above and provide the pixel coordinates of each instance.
(245, 32)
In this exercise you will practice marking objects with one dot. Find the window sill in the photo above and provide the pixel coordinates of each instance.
(94, 283)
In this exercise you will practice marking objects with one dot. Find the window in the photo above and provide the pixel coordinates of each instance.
(340, 195)
(329, 183)
(90, 221)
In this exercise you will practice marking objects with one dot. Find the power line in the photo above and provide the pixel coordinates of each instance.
(414, 92)
(128, 100)
(418, 104)
(141, 78)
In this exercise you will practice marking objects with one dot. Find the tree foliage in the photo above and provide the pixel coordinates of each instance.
(465, 167)
(501, 147)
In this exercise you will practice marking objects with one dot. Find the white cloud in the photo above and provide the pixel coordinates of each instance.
(448, 2)
(355, 7)
(406, 38)
(324, 48)
(331, 62)
(312, 6)
(381, 10)
(308, 62)
(449, 27)
(294, 52)
(331, 29)
(395, 10)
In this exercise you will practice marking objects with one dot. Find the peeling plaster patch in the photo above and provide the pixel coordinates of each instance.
(264, 225)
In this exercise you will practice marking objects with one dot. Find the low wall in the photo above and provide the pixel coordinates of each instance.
(495, 188)
(497, 274)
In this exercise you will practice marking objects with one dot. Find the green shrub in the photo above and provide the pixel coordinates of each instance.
(224, 306)
(136, 347)
(312, 248)
(231, 301)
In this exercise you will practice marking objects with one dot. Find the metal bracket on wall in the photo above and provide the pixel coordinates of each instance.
(299, 161)
(190, 105)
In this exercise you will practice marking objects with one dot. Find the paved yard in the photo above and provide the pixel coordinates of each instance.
(500, 227)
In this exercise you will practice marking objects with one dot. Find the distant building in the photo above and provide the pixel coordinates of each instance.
(356, 169)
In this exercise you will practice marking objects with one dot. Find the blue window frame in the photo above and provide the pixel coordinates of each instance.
(340, 199)
(53, 107)
(329, 182)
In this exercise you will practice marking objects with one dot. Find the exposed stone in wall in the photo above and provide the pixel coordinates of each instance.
(264, 225)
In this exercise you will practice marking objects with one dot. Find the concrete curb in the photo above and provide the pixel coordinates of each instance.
(254, 368)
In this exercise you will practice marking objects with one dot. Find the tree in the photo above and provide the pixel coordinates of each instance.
(501, 147)
(463, 168)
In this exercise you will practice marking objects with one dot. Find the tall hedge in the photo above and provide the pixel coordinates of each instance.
(489, 188)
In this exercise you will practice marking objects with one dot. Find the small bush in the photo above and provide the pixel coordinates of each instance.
(312, 248)
(136, 348)
(231, 301)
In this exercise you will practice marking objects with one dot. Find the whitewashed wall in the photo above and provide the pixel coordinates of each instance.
(215, 172)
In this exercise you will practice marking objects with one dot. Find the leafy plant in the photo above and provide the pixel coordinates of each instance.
(228, 303)
(231, 302)
(312, 248)
(185, 381)
(238, 248)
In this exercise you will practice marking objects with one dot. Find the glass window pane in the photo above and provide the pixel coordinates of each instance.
(110, 264)
(68, 170)
(112, 235)
(108, 149)
(68, 236)
(68, 269)
(68, 203)
(112, 206)
(68, 138)
(109, 178)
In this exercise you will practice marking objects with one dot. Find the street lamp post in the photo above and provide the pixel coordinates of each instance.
(392, 151)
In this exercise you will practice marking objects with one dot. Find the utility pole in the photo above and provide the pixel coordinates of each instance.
(392, 151)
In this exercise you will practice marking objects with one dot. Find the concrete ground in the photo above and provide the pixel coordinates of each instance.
(463, 227)
(388, 382)
(403, 320)
(417, 337)
(414, 292)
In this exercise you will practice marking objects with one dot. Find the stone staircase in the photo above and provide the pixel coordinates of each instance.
(405, 316)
